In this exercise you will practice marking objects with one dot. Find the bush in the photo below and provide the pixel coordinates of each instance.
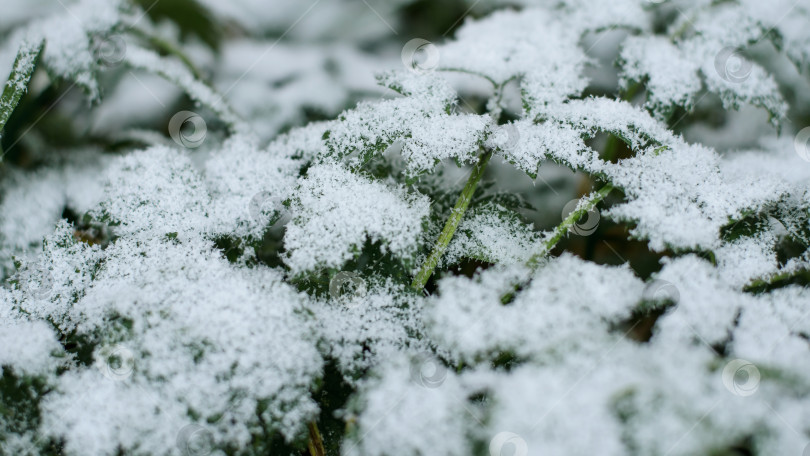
(244, 245)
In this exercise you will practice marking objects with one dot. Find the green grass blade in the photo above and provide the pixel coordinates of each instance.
(17, 84)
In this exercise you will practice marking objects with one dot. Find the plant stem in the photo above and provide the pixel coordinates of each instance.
(453, 221)
(167, 47)
(315, 443)
(567, 223)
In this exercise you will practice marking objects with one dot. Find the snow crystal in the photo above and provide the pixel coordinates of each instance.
(244, 185)
(204, 337)
(527, 144)
(364, 331)
(420, 121)
(471, 321)
(156, 191)
(493, 234)
(672, 78)
(334, 211)
(508, 44)
(27, 346)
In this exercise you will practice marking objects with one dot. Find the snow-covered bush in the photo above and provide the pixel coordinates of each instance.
(555, 228)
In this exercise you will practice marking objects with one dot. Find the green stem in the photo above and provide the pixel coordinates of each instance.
(167, 48)
(315, 443)
(567, 223)
(453, 221)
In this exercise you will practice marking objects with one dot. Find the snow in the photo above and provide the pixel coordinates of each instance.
(419, 121)
(672, 78)
(325, 231)
(494, 234)
(157, 296)
(471, 320)
(508, 45)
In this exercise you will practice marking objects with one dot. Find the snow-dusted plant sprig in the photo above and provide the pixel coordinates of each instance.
(503, 242)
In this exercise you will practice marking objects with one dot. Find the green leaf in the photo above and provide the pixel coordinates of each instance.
(17, 84)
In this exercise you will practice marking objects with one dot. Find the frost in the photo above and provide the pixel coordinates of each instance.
(493, 234)
(17, 83)
(771, 332)
(319, 270)
(245, 185)
(26, 346)
(155, 191)
(509, 45)
(672, 77)
(363, 331)
(434, 412)
(592, 115)
(419, 120)
(70, 51)
(686, 199)
(173, 295)
(526, 145)
(471, 320)
(33, 202)
(325, 231)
